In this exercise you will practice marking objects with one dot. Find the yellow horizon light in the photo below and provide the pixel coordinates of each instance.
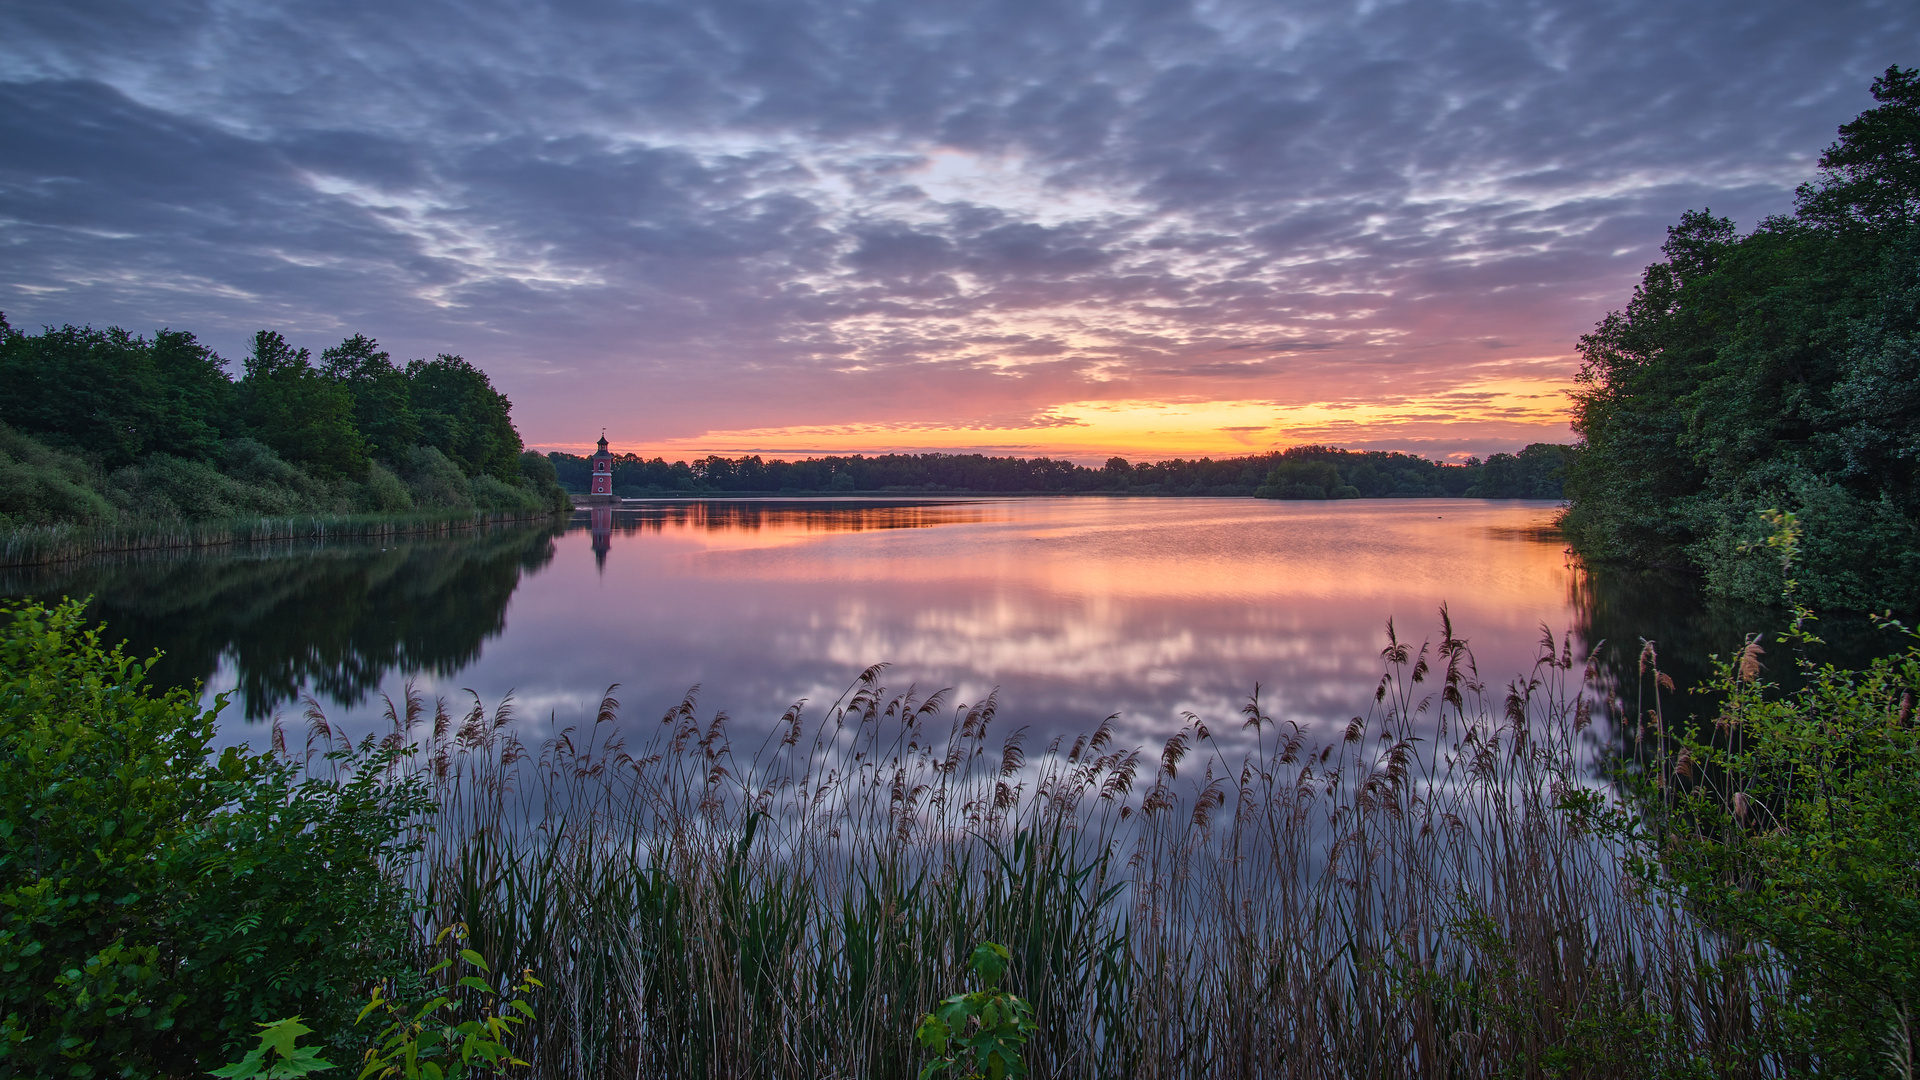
(1501, 410)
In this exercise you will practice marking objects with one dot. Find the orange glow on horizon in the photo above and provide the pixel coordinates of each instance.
(1498, 412)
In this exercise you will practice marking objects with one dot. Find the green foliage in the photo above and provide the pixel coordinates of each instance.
(1794, 824)
(165, 488)
(538, 472)
(155, 899)
(1776, 369)
(112, 395)
(112, 433)
(382, 395)
(435, 482)
(538, 469)
(1537, 472)
(385, 492)
(1306, 480)
(979, 1036)
(489, 492)
(278, 1038)
(1534, 473)
(465, 417)
(1871, 176)
(461, 1028)
(304, 416)
(1322, 472)
(40, 486)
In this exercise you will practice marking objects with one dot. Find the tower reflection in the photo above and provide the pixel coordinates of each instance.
(602, 525)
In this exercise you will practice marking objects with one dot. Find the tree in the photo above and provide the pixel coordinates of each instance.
(304, 416)
(1871, 176)
(464, 417)
(1536, 472)
(110, 394)
(1772, 370)
(382, 395)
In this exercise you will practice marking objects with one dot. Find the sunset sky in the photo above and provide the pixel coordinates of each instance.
(1016, 226)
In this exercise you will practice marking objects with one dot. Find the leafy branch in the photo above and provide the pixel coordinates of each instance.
(978, 1036)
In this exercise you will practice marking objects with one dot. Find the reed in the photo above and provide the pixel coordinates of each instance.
(1413, 898)
(31, 545)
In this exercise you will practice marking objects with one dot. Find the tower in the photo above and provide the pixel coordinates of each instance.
(602, 490)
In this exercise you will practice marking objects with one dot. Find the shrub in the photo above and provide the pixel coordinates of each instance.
(384, 492)
(39, 486)
(492, 493)
(435, 482)
(157, 900)
(978, 1036)
(1793, 826)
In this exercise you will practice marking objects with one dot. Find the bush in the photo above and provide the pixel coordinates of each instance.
(157, 901)
(1792, 827)
(435, 482)
(256, 463)
(385, 492)
(40, 486)
(492, 493)
(538, 469)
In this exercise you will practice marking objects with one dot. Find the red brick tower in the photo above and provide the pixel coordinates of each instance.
(602, 490)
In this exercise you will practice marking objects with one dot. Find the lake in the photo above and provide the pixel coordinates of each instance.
(1073, 609)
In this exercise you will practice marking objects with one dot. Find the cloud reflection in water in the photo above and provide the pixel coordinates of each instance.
(1074, 608)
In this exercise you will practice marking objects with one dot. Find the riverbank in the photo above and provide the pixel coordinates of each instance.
(1303, 472)
(584, 501)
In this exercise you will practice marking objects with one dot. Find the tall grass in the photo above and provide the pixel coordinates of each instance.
(1412, 897)
(30, 545)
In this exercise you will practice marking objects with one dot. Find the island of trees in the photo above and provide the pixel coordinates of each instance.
(1776, 370)
(106, 431)
(1304, 472)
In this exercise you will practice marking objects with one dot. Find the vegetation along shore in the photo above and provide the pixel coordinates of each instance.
(1448, 888)
(109, 441)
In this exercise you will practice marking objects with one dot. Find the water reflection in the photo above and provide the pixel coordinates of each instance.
(777, 518)
(1073, 609)
(335, 620)
(1623, 608)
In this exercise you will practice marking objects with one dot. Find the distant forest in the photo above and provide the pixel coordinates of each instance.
(1779, 370)
(105, 428)
(1305, 472)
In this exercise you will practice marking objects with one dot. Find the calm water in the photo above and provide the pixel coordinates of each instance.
(1073, 608)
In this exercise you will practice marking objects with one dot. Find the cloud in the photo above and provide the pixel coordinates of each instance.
(736, 215)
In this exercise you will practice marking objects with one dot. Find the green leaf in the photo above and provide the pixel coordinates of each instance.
(282, 1034)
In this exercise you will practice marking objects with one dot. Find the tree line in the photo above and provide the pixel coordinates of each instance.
(102, 426)
(1304, 472)
(1776, 370)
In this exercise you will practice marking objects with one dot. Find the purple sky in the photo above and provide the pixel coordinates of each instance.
(1015, 225)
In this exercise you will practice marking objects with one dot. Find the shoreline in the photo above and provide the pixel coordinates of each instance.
(40, 545)
(583, 501)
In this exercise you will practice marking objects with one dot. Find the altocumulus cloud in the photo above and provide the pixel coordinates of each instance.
(1085, 226)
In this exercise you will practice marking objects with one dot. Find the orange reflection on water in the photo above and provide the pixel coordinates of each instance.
(779, 521)
(1073, 607)
(1480, 554)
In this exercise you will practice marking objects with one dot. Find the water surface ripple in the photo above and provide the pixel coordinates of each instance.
(1074, 608)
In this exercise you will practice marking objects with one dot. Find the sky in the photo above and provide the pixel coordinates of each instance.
(1138, 227)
